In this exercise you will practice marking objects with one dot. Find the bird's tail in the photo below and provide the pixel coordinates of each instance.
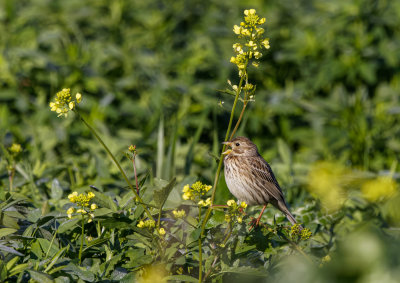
(293, 221)
(290, 217)
(283, 207)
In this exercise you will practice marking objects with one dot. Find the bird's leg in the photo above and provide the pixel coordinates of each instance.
(255, 223)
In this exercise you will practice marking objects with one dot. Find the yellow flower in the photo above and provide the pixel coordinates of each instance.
(239, 219)
(132, 148)
(72, 197)
(179, 214)
(261, 21)
(325, 181)
(380, 188)
(78, 96)
(140, 224)
(81, 211)
(230, 202)
(91, 195)
(63, 103)
(295, 230)
(265, 42)
(89, 238)
(15, 148)
(305, 234)
(150, 223)
(201, 203)
(243, 204)
(70, 211)
(187, 196)
(227, 218)
(161, 231)
(93, 206)
(236, 29)
(186, 188)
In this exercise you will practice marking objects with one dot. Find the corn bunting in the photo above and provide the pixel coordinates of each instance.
(250, 178)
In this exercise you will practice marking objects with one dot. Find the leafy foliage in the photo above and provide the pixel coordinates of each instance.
(326, 114)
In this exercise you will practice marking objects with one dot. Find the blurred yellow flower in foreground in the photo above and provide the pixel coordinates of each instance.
(379, 188)
(15, 148)
(325, 181)
(153, 274)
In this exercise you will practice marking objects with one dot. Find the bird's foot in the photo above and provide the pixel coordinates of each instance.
(254, 222)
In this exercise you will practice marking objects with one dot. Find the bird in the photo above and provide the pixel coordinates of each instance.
(250, 178)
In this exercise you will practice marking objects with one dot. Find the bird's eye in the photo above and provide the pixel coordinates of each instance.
(237, 144)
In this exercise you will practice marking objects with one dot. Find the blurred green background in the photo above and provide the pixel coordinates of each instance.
(150, 74)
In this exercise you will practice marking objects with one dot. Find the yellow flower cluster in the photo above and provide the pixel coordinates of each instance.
(254, 41)
(325, 260)
(63, 102)
(146, 224)
(161, 231)
(82, 200)
(326, 181)
(15, 148)
(179, 213)
(379, 188)
(206, 202)
(235, 211)
(296, 232)
(195, 192)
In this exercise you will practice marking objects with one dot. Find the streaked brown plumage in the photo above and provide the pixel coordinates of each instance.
(250, 178)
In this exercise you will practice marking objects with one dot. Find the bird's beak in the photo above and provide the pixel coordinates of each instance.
(228, 150)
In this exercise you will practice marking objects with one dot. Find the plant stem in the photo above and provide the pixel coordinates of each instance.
(200, 251)
(82, 237)
(11, 177)
(239, 120)
(134, 170)
(221, 160)
(52, 240)
(116, 163)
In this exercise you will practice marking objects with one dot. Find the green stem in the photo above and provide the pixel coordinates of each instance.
(134, 170)
(82, 237)
(51, 243)
(11, 177)
(221, 160)
(116, 163)
(200, 252)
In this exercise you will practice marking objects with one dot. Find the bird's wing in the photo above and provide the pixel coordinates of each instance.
(263, 172)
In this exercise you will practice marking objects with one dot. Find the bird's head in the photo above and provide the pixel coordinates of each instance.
(241, 146)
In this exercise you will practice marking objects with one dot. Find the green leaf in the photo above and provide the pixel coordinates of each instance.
(95, 243)
(56, 257)
(160, 196)
(18, 269)
(181, 278)
(9, 222)
(56, 190)
(7, 231)
(45, 245)
(40, 277)
(103, 200)
(9, 250)
(67, 225)
(82, 274)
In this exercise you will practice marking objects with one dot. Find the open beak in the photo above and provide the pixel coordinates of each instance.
(228, 150)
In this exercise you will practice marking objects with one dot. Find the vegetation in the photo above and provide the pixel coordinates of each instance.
(125, 184)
